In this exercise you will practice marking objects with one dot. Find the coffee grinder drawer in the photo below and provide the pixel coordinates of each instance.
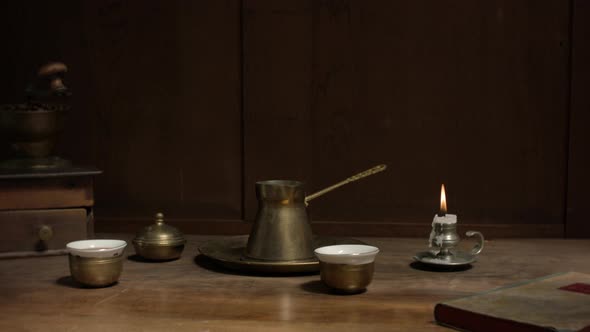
(42, 232)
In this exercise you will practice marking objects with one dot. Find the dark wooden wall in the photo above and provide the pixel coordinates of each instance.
(578, 197)
(186, 104)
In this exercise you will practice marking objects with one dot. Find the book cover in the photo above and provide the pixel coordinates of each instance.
(558, 302)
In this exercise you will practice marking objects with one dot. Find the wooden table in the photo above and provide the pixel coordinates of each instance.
(37, 294)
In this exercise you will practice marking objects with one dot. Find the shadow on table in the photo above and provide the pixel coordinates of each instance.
(209, 264)
(139, 259)
(318, 287)
(68, 281)
(431, 268)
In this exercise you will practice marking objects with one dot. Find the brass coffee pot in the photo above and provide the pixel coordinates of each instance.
(281, 230)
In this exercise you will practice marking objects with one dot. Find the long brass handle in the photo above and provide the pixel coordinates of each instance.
(371, 171)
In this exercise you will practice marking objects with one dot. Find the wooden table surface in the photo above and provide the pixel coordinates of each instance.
(37, 294)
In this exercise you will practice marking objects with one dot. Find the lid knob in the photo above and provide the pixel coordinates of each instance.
(159, 233)
(159, 218)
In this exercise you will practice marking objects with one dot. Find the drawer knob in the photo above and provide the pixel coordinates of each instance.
(45, 233)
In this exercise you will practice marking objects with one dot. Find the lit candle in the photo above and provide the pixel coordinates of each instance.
(443, 202)
(443, 217)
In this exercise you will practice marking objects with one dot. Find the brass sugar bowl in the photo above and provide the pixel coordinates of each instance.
(159, 242)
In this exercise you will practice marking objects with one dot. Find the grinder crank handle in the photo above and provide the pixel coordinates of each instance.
(54, 72)
(49, 82)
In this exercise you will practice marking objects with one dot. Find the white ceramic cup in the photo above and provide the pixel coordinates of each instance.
(96, 248)
(351, 254)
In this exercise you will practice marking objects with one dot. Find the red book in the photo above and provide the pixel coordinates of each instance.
(558, 302)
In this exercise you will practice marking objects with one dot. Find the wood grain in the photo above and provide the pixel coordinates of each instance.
(20, 229)
(191, 295)
(48, 193)
(470, 94)
(167, 107)
(335, 228)
(277, 83)
(156, 92)
(579, 135)
(185, 105)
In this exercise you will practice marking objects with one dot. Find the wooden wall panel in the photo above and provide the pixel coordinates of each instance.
(472, 94)
(156, 102)
(277, 81)
(169, 101)
(467, 93)
(577, 223)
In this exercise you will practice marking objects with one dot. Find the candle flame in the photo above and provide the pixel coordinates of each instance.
(443, 201)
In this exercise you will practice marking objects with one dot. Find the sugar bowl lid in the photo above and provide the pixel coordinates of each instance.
(159, 234)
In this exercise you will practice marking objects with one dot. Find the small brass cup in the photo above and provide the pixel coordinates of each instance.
(347, 278)
(347, 268)
(96, 263)
(96, 272)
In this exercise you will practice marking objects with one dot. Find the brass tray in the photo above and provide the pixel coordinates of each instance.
(228, 253)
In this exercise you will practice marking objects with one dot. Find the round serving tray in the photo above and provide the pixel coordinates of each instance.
(228, 253)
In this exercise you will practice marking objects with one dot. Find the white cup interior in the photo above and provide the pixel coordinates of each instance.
(96, 248)
(353, 254)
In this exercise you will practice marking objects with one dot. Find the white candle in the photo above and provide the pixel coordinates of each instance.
(447, 219)
(441, 218)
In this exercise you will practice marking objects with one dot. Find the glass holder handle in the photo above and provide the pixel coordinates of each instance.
(480, 240)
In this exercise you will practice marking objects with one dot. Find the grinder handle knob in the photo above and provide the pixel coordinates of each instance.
(49, 82)
(45, 233)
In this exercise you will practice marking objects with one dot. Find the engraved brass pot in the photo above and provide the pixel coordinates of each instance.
(96, 263)
(347, 267)
(96, 271)
(347, 278)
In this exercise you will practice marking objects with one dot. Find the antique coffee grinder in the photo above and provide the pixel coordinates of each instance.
(47, 202)
(30, 129)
